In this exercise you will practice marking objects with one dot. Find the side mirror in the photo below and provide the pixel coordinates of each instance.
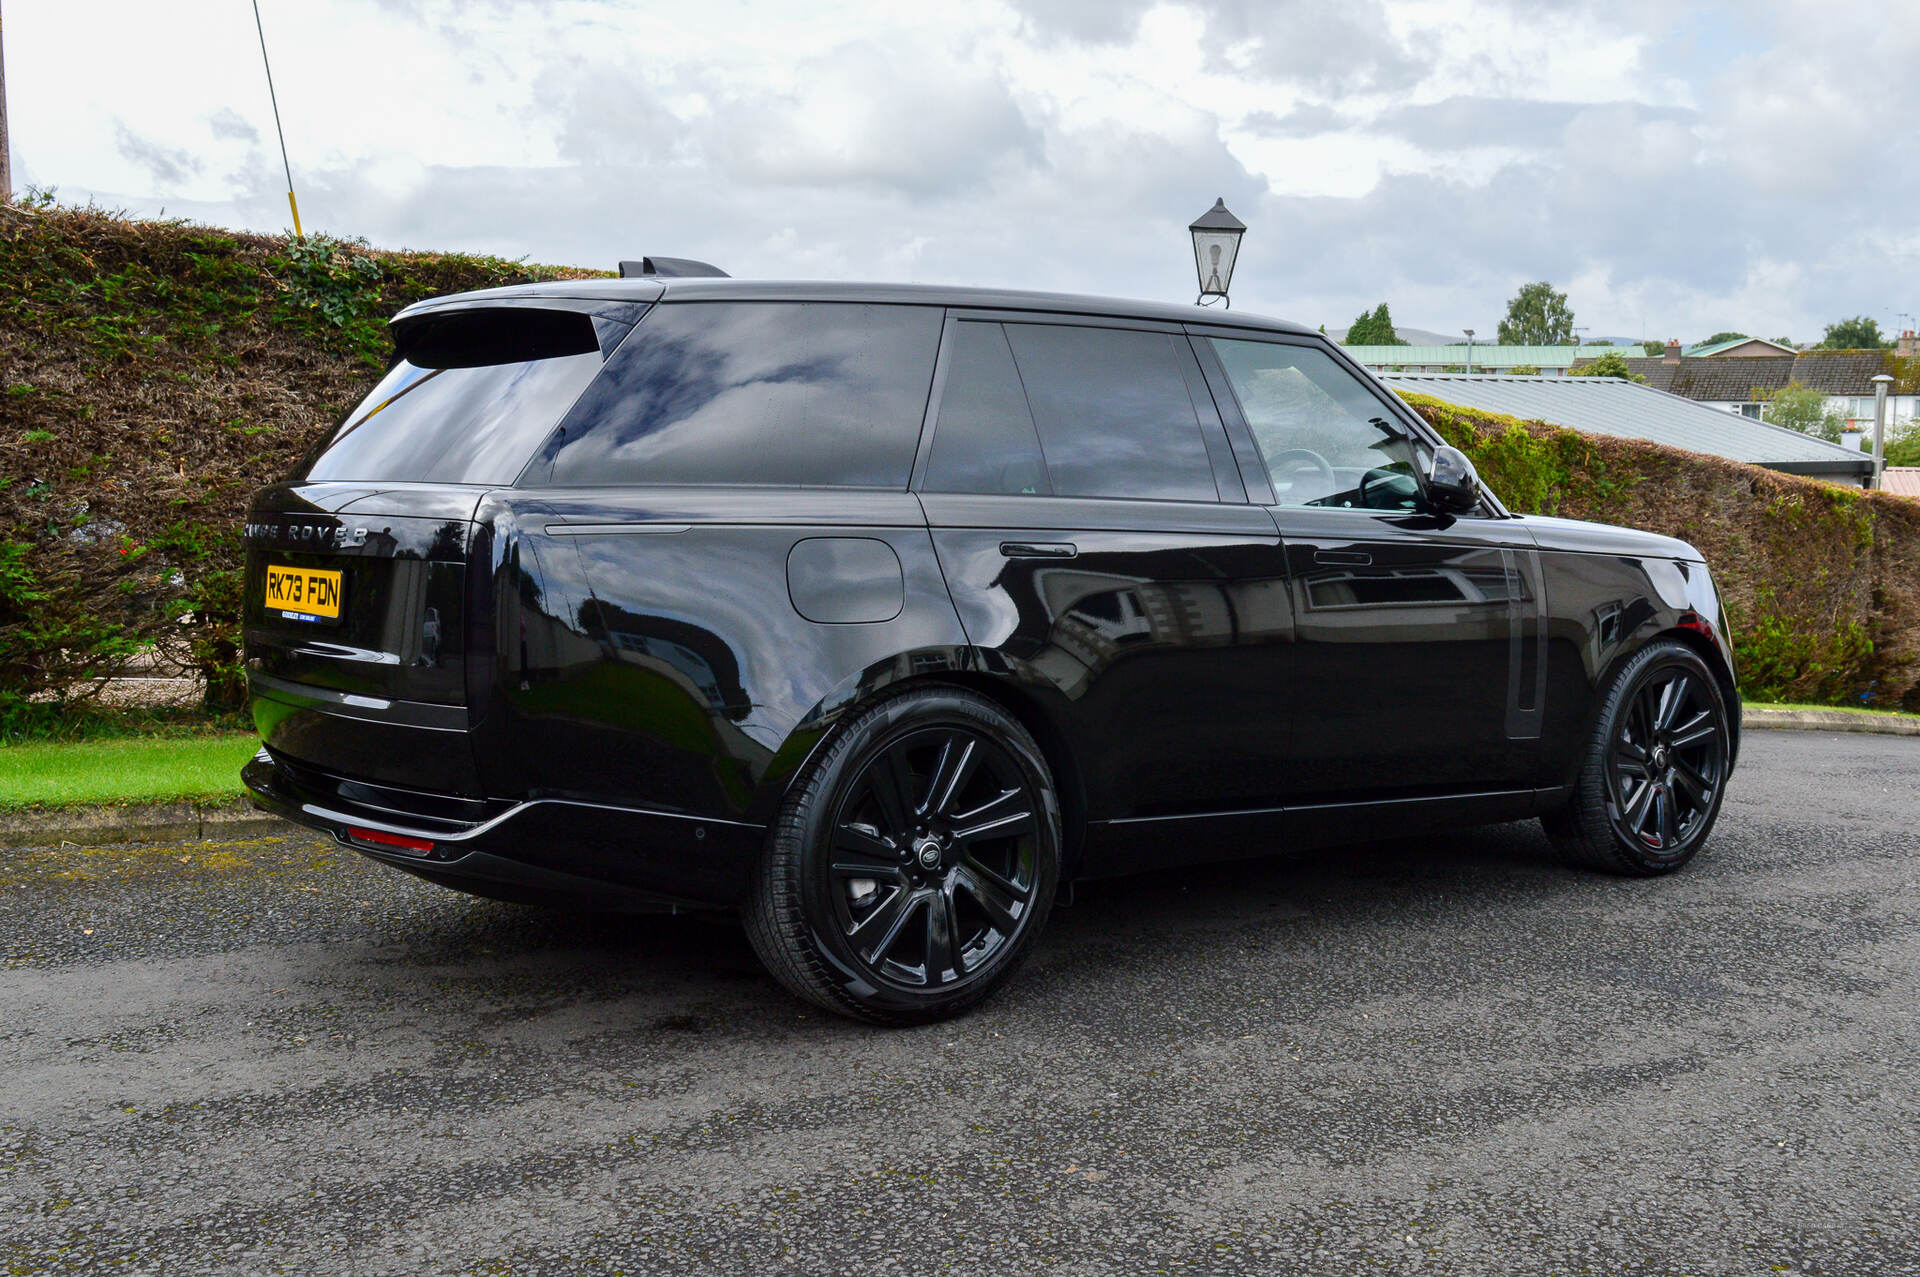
(1452, 484)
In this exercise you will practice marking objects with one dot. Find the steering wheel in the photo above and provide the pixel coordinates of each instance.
(1292, 459)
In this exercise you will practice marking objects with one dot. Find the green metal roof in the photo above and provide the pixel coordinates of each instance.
(1701, 352)
(1484, 356)
(1707, 352)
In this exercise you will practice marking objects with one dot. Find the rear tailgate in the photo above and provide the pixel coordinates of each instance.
(356, 631)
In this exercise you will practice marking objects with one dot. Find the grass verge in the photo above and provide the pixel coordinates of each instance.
(181, 769)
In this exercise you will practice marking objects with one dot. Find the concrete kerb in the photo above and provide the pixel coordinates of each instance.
(93, 825)
(194, 822)
(1830, 720)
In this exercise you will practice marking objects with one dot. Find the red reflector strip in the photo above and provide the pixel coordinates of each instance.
(1697, 623)
(388, 840)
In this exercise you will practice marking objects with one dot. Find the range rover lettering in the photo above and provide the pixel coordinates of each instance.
(879, 613)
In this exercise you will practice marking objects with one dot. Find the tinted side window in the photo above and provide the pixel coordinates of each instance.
(983, 439)
(819, 394)
(1113, 412)
(468, 401)
(1325, 438)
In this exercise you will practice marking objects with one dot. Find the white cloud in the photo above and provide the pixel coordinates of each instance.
(1684, 166)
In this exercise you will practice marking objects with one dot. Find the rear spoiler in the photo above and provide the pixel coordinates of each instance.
(670, 267)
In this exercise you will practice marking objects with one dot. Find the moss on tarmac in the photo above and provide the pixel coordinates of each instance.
(278, 855)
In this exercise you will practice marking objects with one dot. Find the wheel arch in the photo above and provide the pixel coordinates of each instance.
(1698, 635)
(1022, 703)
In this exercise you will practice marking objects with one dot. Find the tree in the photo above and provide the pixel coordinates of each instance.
(1654, 349)
(1903, 447)
(1862, 332)
(1537, 316)
(1374, 328)
(1717, 338)
(1524, 370)
(1802, 408)
(1611, 364)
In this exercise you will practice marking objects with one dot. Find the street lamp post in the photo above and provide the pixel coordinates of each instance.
(1216, 243)
(1880, 383)
(1469, 333)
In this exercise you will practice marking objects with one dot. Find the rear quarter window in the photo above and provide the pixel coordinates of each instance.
(813, 394)
(471, 396)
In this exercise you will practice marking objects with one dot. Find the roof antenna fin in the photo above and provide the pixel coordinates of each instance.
(670, 268)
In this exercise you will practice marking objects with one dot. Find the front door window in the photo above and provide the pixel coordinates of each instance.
(1325, 438)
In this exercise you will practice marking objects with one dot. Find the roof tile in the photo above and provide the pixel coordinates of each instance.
(1751, 378)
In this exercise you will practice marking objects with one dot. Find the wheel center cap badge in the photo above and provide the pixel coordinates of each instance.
(1660, 756)
(929, 852)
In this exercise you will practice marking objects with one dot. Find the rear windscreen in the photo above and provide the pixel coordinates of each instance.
(470, 397)
(807, 394)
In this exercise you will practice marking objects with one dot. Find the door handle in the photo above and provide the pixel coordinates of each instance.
(1038, 549)
(1344, 558)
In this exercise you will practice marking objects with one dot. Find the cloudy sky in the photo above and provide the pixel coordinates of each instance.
(1677, 167)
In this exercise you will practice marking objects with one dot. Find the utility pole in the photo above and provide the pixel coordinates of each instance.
(6, 169)
(274, 98)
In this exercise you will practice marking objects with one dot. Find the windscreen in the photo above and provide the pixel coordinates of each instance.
(469, 398)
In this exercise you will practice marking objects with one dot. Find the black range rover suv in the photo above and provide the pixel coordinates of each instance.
(880, 612)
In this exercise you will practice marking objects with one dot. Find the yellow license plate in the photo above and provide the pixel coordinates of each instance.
(305, 592)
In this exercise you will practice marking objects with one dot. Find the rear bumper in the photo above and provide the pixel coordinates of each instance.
(546, 850)
(420, 745)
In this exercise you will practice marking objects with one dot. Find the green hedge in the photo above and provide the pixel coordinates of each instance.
(1821, 583)
(152, 376)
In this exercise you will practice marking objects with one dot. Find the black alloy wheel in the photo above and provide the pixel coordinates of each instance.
(1668, 759)
(914, 863)
(1652, 781)
(933, 865)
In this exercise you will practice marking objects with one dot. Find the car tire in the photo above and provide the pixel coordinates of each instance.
(1654, 770)
(913, 861)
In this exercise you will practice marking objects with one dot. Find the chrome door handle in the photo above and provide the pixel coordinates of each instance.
(1038, 549)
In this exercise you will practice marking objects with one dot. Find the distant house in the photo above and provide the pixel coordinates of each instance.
(1552, 361)
(1743, 383)
(1614, 406)
(1739, 348)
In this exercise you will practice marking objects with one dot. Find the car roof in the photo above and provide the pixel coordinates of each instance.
(675, 289)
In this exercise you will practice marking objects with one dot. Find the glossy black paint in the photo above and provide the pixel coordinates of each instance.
(1156, 639)
(622, 681)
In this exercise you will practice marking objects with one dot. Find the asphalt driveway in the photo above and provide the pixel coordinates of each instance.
(1450, 1056)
